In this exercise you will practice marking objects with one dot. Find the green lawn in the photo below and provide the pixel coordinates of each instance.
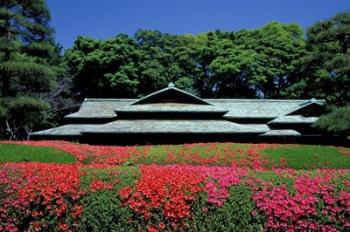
(302, 157)
(26, 153)
(218, 154)
(307, 157)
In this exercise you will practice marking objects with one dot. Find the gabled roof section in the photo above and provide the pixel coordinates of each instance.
(256, 108)
(99, 108)
(238, 108)
(306, 105)
(171, 94)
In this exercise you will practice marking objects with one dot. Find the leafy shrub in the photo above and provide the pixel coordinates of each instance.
(104, 212)
(19, 116)
(76, 197)
(336, 122)
(234, 215)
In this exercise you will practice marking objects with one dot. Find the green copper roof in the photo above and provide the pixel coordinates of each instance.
(293, 119)
(170, 94)
(99, 108)
(175, 111)
(260, 108)
(66, 130)
(278, 133)
(238, 108)
(174, 126)
(173, 108)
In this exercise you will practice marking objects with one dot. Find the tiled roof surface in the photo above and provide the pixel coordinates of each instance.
(281, 133)
(238, 108)
(293, 119)
(66, 130)
(176, 126)
(172, 107)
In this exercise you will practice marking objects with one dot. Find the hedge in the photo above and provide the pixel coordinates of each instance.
(77, 197)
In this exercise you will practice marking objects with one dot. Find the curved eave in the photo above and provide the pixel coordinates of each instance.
(281, 133)
(65, 130)
(175, 127)
(293, 119)
(307, 103)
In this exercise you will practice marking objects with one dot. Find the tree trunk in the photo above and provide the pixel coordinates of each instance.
(5, 85)
(5, 77)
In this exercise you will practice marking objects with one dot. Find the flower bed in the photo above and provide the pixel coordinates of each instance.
(193, 187)
(70, 197)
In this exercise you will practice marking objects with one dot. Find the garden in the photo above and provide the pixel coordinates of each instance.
(64, 186)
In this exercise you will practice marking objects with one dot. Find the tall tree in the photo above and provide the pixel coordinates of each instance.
(27, 48)
(275, 53)
(259, 62)
(229, 66)
(104, 68)
(167, 58)
(325, 71)
(30, 61)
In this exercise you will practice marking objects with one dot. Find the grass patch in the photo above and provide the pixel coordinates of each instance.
(306, 157)
(202, 153)
(26, 153)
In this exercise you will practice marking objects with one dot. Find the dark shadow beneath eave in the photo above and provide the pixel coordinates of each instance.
(175, 138)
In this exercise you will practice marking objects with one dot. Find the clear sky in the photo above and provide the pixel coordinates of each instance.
(106, 18)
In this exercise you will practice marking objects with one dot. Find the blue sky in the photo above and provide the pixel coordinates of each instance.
(106, 18)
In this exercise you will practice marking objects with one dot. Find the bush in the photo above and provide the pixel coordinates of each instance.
(336, 122)
(234, 215)
(104, 212)
(70, 197)
(21, 115)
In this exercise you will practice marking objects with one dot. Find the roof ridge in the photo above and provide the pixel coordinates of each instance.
(257, 99)
(108, 99)
(170, 87)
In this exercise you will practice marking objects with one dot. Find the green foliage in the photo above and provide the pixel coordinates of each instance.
(336, 122)
(26, 153)
(30, 65)
(325, 69)
(103, 211)
(104, 68)
(28, 77)
(275, 61)
(306, 157)
(221, 64)
(219, 154)
(277, 180)
(234, 215)
(26, 111)
(20, 115)
(26, 45)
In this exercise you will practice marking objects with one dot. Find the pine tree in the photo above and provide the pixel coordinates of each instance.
(30, 63)
(27, 49)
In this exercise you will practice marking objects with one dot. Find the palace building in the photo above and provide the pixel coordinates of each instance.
(172, 115)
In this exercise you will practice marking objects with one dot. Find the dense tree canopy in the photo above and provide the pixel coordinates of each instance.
(325, 69)
(275, 61)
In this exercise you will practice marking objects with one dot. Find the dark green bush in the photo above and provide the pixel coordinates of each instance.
(103, 211)
(336, 122)
(234, 215)
(20, 115)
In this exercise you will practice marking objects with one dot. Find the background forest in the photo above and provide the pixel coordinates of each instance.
(40, 83)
